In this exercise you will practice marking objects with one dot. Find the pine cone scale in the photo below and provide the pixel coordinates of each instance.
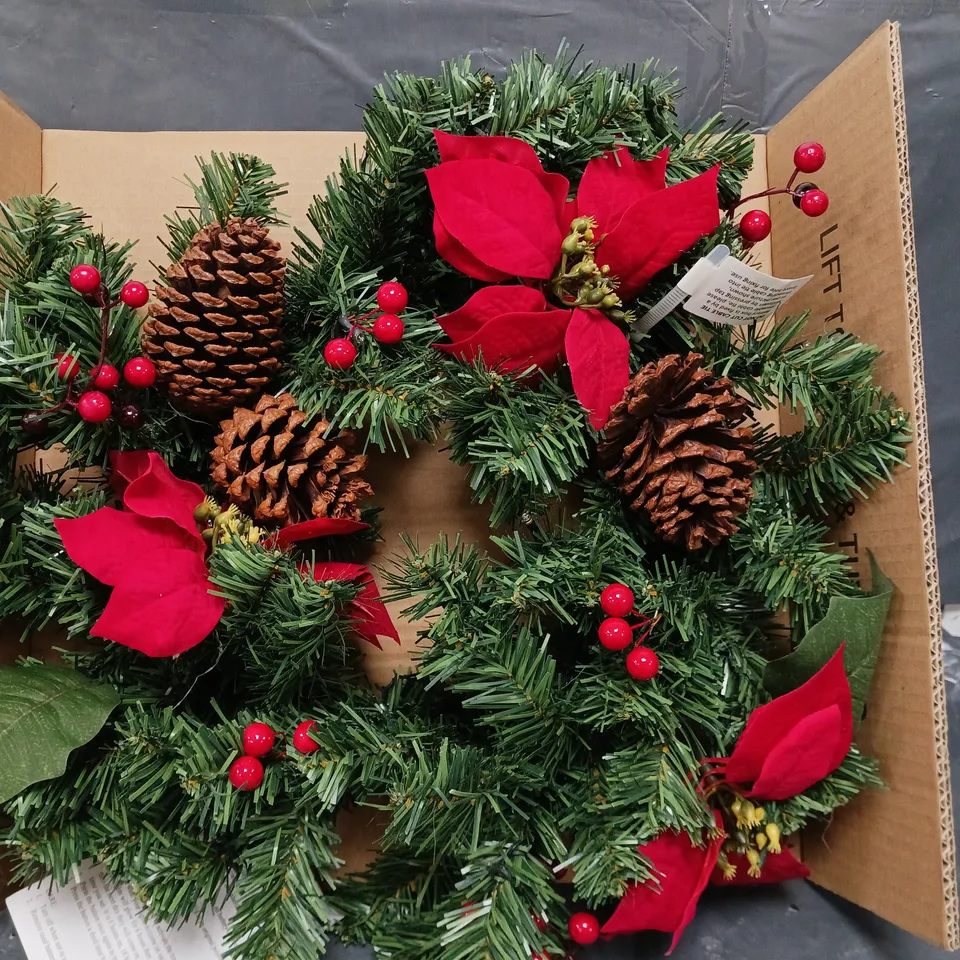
(675, 448)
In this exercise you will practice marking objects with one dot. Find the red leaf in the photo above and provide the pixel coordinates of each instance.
(787, 733)
(598, 353)
(515, 341)
(160, 604)
(507, 150)
(685, 871)
(125, 465)
(163, 617)
(488, 303)
(777, 868)
(501, 214)
(655, 231)
(613, 182)
(319, 527)
(371, 617)
(153, 491)
(457, 255)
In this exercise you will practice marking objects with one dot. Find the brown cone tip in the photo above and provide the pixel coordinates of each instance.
(276, 466)
(676, 448)
(213, 330)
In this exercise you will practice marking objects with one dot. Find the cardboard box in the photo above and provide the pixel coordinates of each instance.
(891, 851)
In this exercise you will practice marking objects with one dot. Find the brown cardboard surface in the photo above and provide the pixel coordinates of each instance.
(20, 159)
(128, 182)
(891, 851)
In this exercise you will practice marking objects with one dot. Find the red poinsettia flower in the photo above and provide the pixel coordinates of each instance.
(370, 618)
(684, 866)
(777, 868)
(793, 742)
(152, 554)
(498, 215)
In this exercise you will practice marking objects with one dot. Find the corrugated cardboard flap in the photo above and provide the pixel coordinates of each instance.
(890, 851)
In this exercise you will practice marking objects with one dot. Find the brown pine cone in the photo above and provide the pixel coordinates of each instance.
(214, 331)
(673, 444)
(275, 466)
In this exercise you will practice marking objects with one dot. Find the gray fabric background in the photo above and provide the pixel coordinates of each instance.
(309, 64)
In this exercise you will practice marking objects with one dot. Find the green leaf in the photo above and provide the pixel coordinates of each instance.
(856, 621)
(45, 712)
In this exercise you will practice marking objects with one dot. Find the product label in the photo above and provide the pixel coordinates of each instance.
(94, 920)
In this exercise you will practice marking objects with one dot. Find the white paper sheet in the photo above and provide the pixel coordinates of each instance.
(92, 920)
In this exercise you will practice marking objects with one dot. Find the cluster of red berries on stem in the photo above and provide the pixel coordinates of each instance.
(387, 328)
(617, 633)
(94, 404)
(246, 772)
(807, 158)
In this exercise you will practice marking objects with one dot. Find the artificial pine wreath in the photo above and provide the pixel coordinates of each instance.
(599, 702)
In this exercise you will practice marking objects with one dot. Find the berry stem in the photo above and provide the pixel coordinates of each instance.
(792, 180)
(105, 307)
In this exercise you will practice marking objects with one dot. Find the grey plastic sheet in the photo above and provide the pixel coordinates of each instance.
(310, 64)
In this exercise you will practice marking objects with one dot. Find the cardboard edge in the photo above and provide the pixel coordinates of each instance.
(21, 151)
(925, 502)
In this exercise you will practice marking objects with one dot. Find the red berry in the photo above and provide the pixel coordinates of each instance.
(540, 923)
(34, 423)
(392, 297)
(134, 293)
(643, 663)
(302, 739)
(814, 203)
(246, 773)
(615, 634)
(68, 367)
(340, 353)
(809, 157)
(85, 279)
(617, 600)
(584, 928)
(258, 739)
(755, 226)
(139, 372)
(388, 328)
(130, 416)
(104, 377)
(94, 406)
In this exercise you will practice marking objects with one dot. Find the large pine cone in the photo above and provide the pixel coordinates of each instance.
(214, 332)
(277, 467)
(673, 445)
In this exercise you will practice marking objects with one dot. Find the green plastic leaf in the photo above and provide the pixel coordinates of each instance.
(856, 621)
(45, 712)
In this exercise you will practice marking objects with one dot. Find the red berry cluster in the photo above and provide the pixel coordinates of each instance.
(616, 633)
(807, 158)
(94, 405)
(246, 772)
(387, 328)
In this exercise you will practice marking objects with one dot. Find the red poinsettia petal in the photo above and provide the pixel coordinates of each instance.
(372, 620)
(654, 231)
(515, 341)
(156, 492)
(319, 527)
(457, 255)
(500, 213)
(777, 868)
(685, 871)
(487, 304)
(598, 354)
(803, 757)
(162, 620)
(614, 182)
(770, 724)
(112, 545)
(508, 150)
(126, 465)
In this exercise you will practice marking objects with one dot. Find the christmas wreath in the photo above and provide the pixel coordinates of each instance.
(648, 683)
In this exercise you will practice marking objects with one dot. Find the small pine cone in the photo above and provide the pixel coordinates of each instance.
(277, 467)
(214, 329)
(674, 446)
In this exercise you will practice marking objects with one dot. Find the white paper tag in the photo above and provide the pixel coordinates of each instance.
(723, 289)
(93, 920)
(739, 294)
